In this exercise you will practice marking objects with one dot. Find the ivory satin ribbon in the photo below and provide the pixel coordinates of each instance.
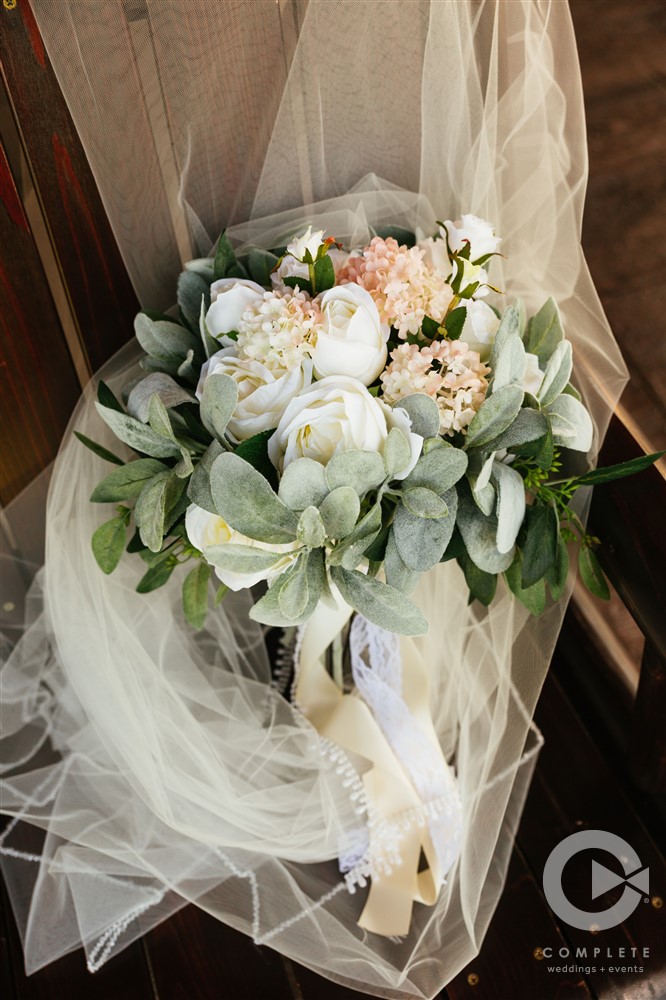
(347, 720)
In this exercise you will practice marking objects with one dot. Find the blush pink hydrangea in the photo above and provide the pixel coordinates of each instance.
(405, 288)
(279, 330)
(448, 371)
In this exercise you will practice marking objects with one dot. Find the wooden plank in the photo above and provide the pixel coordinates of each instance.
(575, 789)
(102, 297)
(511, 961)
(38, 383)
(124, 976)
(193, 956)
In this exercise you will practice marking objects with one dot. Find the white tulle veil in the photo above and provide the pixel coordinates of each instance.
(160, 765)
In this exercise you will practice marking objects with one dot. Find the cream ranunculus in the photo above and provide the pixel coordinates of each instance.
(478, 232)
(338, 414)
(204, 529)
(263, 394)
(436, 255)
(481, 325)
(352, 339)
(472, 274)
(229, 298)
(308, 241)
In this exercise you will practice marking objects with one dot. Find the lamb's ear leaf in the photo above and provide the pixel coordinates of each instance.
(379, 603)
(198, 488)
(128, 481)
(245, 500)
(218, 402)
(364, 470)
(303, 484)
(495, 415)
(423, 412)
(339, 511)
(269, 611)
(421, 542)
(138, 436)
(544, 332)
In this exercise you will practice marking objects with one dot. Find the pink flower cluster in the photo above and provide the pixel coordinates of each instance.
(279, 330)
(448, 371)
(404, 287)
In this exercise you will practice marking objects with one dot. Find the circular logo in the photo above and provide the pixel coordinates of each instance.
(636, 880)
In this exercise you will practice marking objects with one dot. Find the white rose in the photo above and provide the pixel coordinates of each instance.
(308, 241)
(480, 234)
(436, 255)
(533, 377)
(338, 414)
(204, 528)
(289, 268)
(481, 325)
(352, 339)
(263, 393)
(229, 298)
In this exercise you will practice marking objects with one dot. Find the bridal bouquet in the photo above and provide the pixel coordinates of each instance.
(328, 420)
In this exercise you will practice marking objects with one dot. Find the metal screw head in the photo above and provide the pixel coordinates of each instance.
(657, 902)
(538, 954)
(9, 4)
(473, 979)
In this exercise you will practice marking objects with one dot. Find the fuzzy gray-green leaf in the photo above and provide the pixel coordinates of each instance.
(496, 413)
(238, 558)
(311, 530)
(423, 413)
(544, 332)
(511, 363)
(510, 505)
(169, 392)
(398, 573)
(421, 542)
(397, 451)
(379, 603)
(199, 485)
(364, 470)
(557, 374)
(339, 511)
(479, 534)
(268, 610)
(294, 594)
(439, 470)
(303, 484)
(218, 401)
(245, 500)
(128, 481)
(163, 340)
(423, 502)
(571, 423)
(138, 436)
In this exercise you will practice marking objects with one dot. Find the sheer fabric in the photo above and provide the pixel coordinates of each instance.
(166, 768)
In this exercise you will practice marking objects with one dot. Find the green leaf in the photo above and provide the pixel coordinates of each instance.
(423, 412)
(324, 273)
(225, 258)
(540, 548)
(246, 501)
(558, 572)
(195, 595)
(429, 328)
(164, 340)
(295, 281)
(202, 266)
(221, 593)
(534, 597)
(405, 237)
(311, 530)
(137, 435)
(480, 536)
(510, 365)
(163, 386)
(350, 551)
(544, 332)
(241, 558)
(98, 449)
(260, 265)
(303, 484)
(482, 585)
(509, 327)
(611, 472)
(128, 481)
(339, 511)
(398, 573)
(439, 470)
(424, 503)
(150, 512)
(557, 374)
(510, 505)
(108, 543)
(529, 425)
(107, 398)
(198, 488)
(397, 452)
(571, 423)
(483, 491)
(255, 451)
(294, 594)
(455, 322)
(592, 574)
(379, 603)
(192, 290)
(495, 415)
(218, 402)
(156, 576)
(421, 542)
(268, 610)
(364, 470)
